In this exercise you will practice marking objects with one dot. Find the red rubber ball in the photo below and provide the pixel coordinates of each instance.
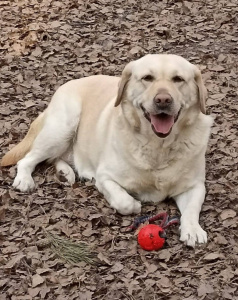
(149, 237)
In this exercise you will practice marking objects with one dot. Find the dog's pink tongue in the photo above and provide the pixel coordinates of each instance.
(162, 123)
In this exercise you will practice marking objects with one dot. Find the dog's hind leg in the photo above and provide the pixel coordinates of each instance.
(57, 134)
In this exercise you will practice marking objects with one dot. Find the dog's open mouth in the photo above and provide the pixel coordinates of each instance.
(161, 123)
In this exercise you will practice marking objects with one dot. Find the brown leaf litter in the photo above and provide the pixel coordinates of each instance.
(45, 43)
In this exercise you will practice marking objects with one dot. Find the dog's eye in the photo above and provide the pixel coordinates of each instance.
(178, 79)
(148, 78)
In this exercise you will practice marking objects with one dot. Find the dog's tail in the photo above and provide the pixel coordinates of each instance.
(21, 149)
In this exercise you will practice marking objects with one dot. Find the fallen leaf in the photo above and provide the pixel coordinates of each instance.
(3, 282)
(117, 267)
(37, 280)
(164, 282)
(204, 289)
(33, 292)
(12, 263)
(211, 102)
(227, 213)
(212, 256)
(217, 68)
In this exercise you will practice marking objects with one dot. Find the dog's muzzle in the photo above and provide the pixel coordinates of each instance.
(161, 122)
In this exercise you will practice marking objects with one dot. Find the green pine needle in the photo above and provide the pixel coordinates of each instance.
(71, 252)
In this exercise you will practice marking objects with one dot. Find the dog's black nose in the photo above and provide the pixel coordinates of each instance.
(163, 99)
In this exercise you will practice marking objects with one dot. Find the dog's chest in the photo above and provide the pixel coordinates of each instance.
(158, 173)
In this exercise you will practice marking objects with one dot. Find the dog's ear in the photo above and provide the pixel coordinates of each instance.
(126, 74)
(202, 91)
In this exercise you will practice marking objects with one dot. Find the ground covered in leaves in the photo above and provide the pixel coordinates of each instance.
(43, 45)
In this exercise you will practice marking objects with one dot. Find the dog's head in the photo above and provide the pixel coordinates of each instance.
(162, 87)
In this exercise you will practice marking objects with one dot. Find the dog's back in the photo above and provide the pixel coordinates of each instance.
(94, 92)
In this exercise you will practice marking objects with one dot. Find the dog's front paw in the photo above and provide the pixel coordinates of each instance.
(192, 234)
(128, 206)
(24, 183)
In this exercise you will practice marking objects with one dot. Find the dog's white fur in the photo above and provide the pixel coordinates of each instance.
(115, 145)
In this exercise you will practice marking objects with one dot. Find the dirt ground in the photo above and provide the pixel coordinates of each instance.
(46, 43)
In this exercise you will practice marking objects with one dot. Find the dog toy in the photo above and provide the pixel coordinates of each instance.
(151, 236)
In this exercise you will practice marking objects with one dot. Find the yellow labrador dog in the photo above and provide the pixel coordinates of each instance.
(143, 134)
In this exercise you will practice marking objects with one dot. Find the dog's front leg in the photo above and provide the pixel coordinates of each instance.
(118, 198)
(189, 204)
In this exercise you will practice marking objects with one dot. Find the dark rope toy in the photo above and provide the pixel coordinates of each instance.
(165, 222)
